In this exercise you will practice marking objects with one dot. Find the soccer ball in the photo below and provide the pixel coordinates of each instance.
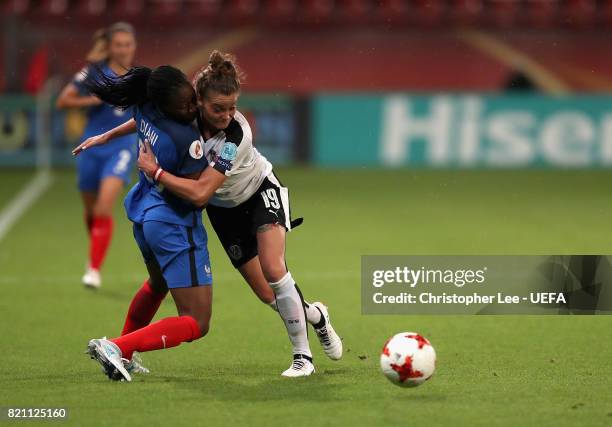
(408, 359)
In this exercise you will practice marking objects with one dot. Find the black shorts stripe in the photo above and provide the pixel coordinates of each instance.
(192, 260)
(279, 181)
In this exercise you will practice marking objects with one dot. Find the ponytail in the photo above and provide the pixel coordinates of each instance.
(138, 86)
(121, 91)
(99, 48)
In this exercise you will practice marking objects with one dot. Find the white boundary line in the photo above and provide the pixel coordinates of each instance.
(24, 200)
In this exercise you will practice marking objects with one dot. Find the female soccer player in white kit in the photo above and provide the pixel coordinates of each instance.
(250, 211)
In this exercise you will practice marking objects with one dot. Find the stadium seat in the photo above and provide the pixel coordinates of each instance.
(128, 10)
(604, 14)
(52, 8)
(465, 12)
(164, 11)
(280, 11)
(392, 11)
(502, 13)
(48, 12)
(541, 13)
(89, 9)
(242, 11)
(16, 7)
(317, 11)
(199, 10)
(354, 11)
(429, 12)
(578, 13)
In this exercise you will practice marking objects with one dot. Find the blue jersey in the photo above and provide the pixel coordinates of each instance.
(103, 117)
(179, 150)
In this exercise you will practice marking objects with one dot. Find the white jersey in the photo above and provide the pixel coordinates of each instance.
(231, 152)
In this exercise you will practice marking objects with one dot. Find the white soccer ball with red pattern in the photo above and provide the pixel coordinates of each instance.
(408, 359)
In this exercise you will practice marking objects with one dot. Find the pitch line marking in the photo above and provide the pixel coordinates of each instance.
(514, 58)
(24, 200)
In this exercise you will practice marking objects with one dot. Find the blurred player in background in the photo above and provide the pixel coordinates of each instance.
(102, 171)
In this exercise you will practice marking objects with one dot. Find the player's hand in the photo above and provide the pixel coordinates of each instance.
(91, 142)
(147, 162)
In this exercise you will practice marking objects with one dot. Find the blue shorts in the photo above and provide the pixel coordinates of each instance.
(93, 166)
(181, 252)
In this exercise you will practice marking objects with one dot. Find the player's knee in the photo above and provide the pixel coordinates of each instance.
(102, 209)
(158, 287)
(204, 325)
(267, 298)
(201, 320)
(274, 272)
(265, 294)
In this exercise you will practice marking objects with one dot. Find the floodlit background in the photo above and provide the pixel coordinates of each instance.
(351, 83)
(400, 127)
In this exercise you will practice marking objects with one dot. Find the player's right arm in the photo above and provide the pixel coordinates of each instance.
(121, 130)
(197, 187)
(70, 97)
(75, 95)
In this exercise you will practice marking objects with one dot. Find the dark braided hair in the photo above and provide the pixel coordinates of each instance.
(138, 86)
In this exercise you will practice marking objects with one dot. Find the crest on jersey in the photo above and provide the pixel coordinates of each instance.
(228, 151)
(235, 252)
(196, 150)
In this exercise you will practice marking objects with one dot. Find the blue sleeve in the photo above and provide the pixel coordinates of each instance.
(166, 154)
(190, 151)
(80, 77)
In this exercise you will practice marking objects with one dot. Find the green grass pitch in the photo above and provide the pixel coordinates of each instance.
(492, 370)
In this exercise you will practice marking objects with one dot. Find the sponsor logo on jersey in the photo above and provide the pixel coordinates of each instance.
(229, 151)
(195, 150)
(224, 164)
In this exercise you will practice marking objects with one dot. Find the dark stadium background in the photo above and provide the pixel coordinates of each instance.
(297, 51)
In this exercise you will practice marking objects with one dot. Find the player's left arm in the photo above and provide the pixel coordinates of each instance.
(197, 191)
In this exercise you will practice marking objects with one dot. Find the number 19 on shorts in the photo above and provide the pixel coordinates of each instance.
(270, 198)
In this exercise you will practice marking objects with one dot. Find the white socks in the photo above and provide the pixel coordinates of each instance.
(312, 314)
(291, 309)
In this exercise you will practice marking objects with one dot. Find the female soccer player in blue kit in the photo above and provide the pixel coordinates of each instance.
(102, 171)
(249, 212)
(167, 229)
